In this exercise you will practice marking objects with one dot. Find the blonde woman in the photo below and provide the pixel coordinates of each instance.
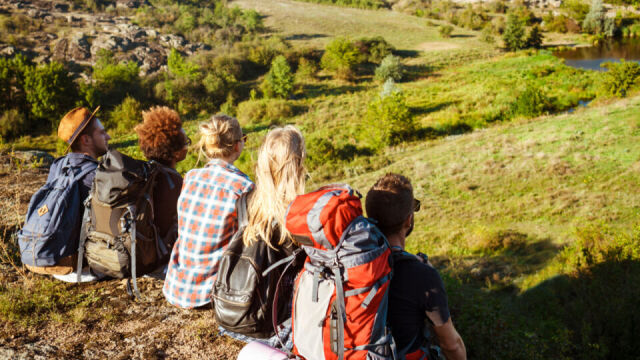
(280, 177)
(207, 217)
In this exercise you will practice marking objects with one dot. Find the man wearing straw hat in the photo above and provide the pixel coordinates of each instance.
(88, 140)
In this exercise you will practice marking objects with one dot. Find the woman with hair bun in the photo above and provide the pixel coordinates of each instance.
(207, 217)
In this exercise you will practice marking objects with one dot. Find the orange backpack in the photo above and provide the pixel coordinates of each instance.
(341, 295)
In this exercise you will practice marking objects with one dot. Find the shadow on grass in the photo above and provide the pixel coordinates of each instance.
(305, 36)
(311, 91)
(424, 110)
(462, 36)
(407, 53)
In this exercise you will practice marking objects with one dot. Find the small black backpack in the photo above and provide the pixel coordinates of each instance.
(247, 301)
(120, 237)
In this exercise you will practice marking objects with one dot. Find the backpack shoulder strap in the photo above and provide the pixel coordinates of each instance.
(241, 207)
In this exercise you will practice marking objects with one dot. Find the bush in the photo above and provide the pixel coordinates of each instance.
(445, 31)
(535, 38)
(374, 49)
(279, 80)
(263, 53)
(341, 56)
(576, 9)
(390, 68)
(531, 102)
(513, 35)
(126, 115)
(13, 123)
(555, 23)
(307, 69)
(264, 111)
(596, 21)
(620, 77)
(50, 92)
(487, 35)
(113, 82)
(12, 83)
(389, 118)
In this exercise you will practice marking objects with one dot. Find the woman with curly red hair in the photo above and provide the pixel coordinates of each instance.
(162, 139)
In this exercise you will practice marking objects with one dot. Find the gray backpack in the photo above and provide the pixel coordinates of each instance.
(121, 239)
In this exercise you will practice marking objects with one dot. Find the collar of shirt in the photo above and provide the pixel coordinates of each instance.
(226, 165)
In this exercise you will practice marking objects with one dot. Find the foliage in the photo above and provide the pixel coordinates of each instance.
(307, 69)
(279, 80)
(531, 102)
(12, 72)
(341, 56)
(487, 35)
(374, 49)
(13, 123)
(620, 77)
(262, 52)
(535, 37)
(50, 92)
(126, 115)
(520, 10)
(388, 117)
(264, 111)
(112, 82)
(555, 23)
(597, 22)
(361, 4)
(471, 17)
(576, 9)
(514, 36)
(390, 68)
(445, 31)
(208, 21)
(181, 68)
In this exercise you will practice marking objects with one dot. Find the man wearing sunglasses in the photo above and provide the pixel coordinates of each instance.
(417, 299)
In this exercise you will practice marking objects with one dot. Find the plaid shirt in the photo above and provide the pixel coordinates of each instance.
(207, 219)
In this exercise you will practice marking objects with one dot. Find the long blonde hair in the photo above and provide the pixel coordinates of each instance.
(219, 135)
(280, 177)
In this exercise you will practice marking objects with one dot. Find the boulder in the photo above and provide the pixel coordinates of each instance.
(79, 49)
(110, 42)
(35, 157)
(130, 4)
(172, 41)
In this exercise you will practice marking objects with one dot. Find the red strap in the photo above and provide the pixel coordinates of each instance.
(417, 355)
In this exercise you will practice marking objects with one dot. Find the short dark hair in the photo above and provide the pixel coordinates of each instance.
(160, 135)
(390, 202)
(88, 130)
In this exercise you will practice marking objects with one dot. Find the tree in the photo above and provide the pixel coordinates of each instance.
(535, 38)
(390, 68)
(50, 91)
(388, 117)
(113, 82)
(594, 21)
(279, 80)
(513, 35)
(341, 56)
(620, 77)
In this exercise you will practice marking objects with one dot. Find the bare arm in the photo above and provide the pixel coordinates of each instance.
(450, 341)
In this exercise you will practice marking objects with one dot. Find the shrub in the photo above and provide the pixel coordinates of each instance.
(620, 77)
(13, 123)
(597, 22)
(12, 83)
(445, 31)
(374, 49)
(126, 115)
(307, 69)
(513, 35)
(390, 68)
(487, 35)
(472, 18)
(113, 82)
(555, 23)
(535, 38)
(279, 80)
(389, 118)
(263, 53)
(576, 9)
(264, 111)
(341, 56)
(531, 102)
(50, 92)
(219, 84)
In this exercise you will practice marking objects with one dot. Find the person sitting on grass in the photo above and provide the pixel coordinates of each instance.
(280, 177)
(88, 140)
(417, 298)
(162, 139)
(207, 217)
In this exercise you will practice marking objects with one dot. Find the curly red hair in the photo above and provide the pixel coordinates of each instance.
(160, 135)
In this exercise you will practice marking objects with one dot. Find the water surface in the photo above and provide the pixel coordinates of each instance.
(590, 57)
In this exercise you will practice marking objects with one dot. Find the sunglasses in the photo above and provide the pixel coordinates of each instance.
(187, 142)
(243, 138)
(416, 205)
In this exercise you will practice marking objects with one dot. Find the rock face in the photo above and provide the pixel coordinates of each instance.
(92, 32)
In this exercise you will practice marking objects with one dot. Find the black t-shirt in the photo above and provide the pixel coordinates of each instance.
(416, 292)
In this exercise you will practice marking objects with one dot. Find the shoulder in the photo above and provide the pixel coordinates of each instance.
(412, 265)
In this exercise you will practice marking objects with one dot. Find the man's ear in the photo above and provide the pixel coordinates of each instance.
(407, 223)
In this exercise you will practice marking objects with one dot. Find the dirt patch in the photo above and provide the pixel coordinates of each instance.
(112, 325)
(437, 46)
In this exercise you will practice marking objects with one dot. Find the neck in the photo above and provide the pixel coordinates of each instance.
(230, 159)
(396, 240)
(88, 153)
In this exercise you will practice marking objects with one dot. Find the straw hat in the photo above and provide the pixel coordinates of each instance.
(73, 123)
